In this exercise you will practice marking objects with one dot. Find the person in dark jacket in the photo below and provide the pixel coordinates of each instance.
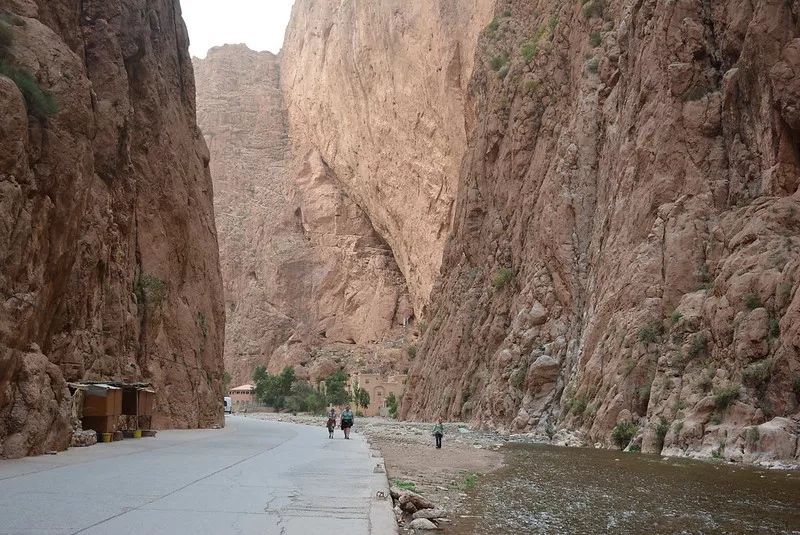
(438, 432)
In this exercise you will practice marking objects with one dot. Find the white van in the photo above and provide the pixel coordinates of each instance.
(228, 404)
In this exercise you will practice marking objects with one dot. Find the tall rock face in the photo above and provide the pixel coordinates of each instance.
(378, 88)
(308, 280)
(627, 229)
(107, 237)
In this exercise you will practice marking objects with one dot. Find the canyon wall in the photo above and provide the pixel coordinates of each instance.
(627, 230)
(107, 236)
(308, 281)
(378, 88)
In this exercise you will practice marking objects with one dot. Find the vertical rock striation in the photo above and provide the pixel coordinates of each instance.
(107, 236)
(626, 231)
(303, 267)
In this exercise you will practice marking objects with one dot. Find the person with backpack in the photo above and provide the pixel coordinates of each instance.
(347, 421)
(438, 432)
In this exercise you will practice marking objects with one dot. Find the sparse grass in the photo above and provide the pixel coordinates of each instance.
(757, 373)
(468, 480)
(785, 291)
(629, 366)
(644, 393)
(532, 85)
(529, 51)
(595, 39)
(725, 394)
(579, 406)
(774, 328)
(698, 347)
(623, 433)
(695, 93)
(423, 327)
(675, 317)
(412, 352)
(651, 332)
(678, 428)
(507, 13)
(40, 102)
(503, 277)
(202, 322)
(496, 62)
(407, 485)
(518, 377)
(494, 25)
(503, 72)
(752, 301)
(593, 65)
(553, 22)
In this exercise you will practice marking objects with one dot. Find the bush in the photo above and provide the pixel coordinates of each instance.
(507, 13)
(503, 277)
(412, 351)
(40, 102)
(725, 394)
(529, 51)
(553, 22)
(661, 431)
(150, 290)
(595, 39)
(6, 35)
(202, 322)
(774, 328)
(502, 73)
(593, 8)
(518, 377)
(752, 301)
(393, 404)
(752, 436)
(757, 373)
(497, 61)
(423, 327)
(675, 316)
(623, 433)
(593, 65)
(698, 346)
(650, 332)
(494, 25)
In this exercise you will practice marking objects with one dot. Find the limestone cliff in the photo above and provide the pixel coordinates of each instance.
(626, 219)
(107, 237)
(308, 281)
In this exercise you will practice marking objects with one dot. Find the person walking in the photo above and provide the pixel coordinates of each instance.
(331, 422)
(438, 432)
(347, 421)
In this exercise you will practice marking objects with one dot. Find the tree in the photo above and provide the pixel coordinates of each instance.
(392, 403)
(360, 397)
(335, 389)
(272, 390)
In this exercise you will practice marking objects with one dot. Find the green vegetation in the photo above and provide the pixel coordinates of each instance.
(553, 22)
(595, 39)
(272, 390)
(661, 432)
(678, 428)
(149, 290)
(725, 394)
(423, 327)
(752, 436)
(507, 13)
(6, 35)
(473, 274)
(412, 352)
(579, 406)
(644, 393)
(704, 278)
(774, 328)
(593, 65)
(284, 391)
(201, 321)
(408, 485)
(393, 404)
(623, 433)
(698, 347)
(518, 377)
(496, 62)
(529, 51)
(503, 277)
(651, 332)
(468, 480)
(494, 25)
(757, 373)
(695, 93)
(593, 8)
(629, 366)
(502, 73)
(675, 316)
(785, 291)
(360, 397)
(41, 102)
(752, 301)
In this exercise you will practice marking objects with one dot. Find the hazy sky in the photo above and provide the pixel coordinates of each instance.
(260, 24)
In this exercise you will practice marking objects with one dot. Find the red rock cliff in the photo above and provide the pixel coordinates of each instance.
(107, 238)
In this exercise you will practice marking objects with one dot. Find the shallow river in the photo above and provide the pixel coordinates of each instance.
(546, 489)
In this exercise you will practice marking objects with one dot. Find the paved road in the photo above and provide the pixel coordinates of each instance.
(251, 477)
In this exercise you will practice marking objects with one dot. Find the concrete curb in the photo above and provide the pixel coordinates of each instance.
(381, 511)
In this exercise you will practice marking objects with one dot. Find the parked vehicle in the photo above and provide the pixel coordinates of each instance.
(228, 404)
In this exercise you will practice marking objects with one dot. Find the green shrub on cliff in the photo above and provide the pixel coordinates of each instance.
(150, 290)
(40, 102)
(623, 433)
(504, 276)
(529, 51)
(725, 394)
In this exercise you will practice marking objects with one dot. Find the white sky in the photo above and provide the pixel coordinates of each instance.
(260, 24)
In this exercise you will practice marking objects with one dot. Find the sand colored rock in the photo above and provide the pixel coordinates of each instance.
(302, 265)
(108, 241)
(378, 88)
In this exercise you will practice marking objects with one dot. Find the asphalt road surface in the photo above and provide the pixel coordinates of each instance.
(251, 477)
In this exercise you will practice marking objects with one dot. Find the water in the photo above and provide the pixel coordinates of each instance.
(551, 490)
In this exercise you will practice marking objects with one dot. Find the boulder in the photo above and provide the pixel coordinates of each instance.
(422, 523)
(430, 513)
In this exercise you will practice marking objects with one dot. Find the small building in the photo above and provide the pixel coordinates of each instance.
(242, 397)
(379, 386)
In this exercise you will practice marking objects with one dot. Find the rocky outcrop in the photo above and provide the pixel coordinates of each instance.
(108, 242)
(378, 88)
(626, 229)
(306, 275)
